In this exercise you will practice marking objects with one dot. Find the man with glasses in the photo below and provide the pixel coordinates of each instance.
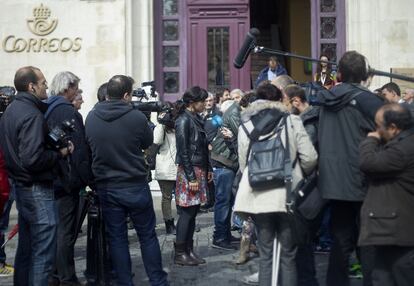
(30, 166)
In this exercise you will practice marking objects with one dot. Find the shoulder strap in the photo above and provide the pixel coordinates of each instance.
(250, 141)
(288, 170)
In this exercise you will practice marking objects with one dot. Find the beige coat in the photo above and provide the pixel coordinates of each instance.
(273, 200)
(165, 167)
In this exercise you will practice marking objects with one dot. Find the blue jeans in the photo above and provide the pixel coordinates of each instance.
(137, 202)
(4, 225)
(223, 181)
(37, 234)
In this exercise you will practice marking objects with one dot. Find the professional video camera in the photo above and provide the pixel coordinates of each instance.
(141, 93)
(146, 106)
(58, 137)
(7, 94)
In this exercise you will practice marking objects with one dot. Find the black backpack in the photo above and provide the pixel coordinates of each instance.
(268, 161)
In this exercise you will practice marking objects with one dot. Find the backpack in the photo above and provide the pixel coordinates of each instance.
(269, 164)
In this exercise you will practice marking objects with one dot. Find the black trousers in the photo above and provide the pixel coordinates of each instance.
(394, 266)
(67, 205)
(345, 223)
(186, 223)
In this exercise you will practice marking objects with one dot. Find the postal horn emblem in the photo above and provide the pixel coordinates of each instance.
(41, 25)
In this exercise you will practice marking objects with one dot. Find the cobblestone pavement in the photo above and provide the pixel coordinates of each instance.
(220, 269)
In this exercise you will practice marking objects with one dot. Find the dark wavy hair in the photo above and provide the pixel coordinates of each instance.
(191, 95)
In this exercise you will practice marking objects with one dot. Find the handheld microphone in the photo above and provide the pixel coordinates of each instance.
(217, 121)
(248, 45)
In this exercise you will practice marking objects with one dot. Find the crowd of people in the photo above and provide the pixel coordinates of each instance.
(256, 158)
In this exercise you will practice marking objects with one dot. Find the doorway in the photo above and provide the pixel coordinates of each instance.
(284, 25)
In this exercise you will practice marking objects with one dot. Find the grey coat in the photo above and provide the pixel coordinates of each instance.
(247, 200)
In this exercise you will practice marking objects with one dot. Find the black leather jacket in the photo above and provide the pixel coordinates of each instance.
(192, 146)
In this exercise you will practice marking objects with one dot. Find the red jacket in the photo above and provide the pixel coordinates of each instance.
(4, 184)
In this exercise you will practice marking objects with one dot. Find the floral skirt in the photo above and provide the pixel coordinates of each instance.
(184, 197)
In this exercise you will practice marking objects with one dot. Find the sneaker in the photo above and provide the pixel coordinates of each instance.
(235, 228)
(6, 270)
(252, 279)
(223, 244)
(355, 271)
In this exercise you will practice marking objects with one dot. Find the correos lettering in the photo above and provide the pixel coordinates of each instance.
(41, 25)
(12, 44)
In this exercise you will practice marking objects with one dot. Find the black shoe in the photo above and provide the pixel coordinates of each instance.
(223, 244)
(235, 240)
(181, 257)
(170, 227)
(193, 255)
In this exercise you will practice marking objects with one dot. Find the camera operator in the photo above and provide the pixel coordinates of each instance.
(73, 174)
(30, 166)
(117, 133)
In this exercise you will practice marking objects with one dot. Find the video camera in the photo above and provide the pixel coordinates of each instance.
(141, 93)
(7, 95)
(58, 137)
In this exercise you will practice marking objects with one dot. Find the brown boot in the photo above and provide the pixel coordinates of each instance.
(181, 257)
(190, 251)
(244, 250)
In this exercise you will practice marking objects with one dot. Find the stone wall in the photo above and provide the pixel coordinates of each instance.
(93, 39)
(383, 32)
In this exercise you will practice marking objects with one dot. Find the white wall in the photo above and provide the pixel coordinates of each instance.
(383, 31)
(116, 39)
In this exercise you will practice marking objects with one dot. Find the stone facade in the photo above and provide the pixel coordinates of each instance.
(383, 32)
(93, 39)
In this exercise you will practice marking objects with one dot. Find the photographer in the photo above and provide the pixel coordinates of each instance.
(30, 166)
(117, 133)
(73, 173)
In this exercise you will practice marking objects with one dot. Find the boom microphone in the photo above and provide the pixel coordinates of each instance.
(247, 47)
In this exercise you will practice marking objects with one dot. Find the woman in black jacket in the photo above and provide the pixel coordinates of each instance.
(192, 173)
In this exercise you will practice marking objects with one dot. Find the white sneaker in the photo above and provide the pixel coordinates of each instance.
(251, 279)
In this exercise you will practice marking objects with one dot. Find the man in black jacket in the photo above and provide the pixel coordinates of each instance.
(73, 174)
(387, 158)
(30, 165)
(347, 115)
(117, 133)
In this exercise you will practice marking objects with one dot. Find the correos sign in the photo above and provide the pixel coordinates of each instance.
(41, 25)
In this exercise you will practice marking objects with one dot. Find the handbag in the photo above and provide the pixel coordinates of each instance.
(308, 201)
